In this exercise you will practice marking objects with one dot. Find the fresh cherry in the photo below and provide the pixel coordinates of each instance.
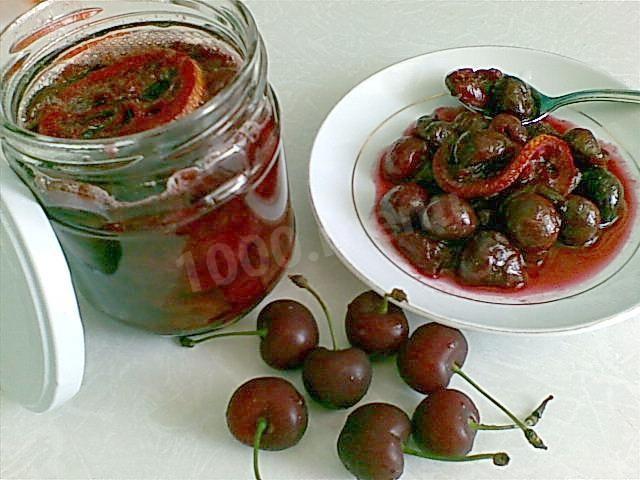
(267, 413)
(373, 441)
(427, 360)
(287, 330)
(375, 325)
(370, 443)
(334, 378)
(447, 420)
(443, 423)
(431, 356)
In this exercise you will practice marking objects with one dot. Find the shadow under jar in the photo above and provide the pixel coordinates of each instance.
(174, 217)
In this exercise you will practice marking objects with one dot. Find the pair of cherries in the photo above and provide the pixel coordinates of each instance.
(376, 436)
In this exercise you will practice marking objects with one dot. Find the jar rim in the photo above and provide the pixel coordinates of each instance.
(13, 129)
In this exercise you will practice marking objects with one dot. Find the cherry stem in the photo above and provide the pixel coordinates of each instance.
(260, 429)
(396, 294)
(500, 458)
(529, 433)
(301, 282)
(536, 415)
(187, 341)
(484, 426)
(533, 418)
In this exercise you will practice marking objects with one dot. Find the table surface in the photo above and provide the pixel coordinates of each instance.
(151, 409)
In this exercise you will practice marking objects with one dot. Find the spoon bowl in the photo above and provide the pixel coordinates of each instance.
(491, 92)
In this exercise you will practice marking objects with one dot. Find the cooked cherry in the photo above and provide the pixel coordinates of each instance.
(267, 413)
(372, 444)
(483, 152)
(334, 378)
(512, 95)
(443, 423)
(423, 123)
(605, 190)
(400, 206)
(436, 133)
(472, 87)
(541, 128)
(467, 121)
(489, 259)
(511, 126)
(425, 178)
(532, 221)
(375, 325)
(433, 354)
(287, 330)
(404, 159)
(580, 222)
(447, 114)
(585, 147)
(427, 254)
(449, 217)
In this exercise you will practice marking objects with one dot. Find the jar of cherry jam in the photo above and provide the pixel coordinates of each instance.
(150, 135)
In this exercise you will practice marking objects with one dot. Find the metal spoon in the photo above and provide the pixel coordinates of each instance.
(546, 104)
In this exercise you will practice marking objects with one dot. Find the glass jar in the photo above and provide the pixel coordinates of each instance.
(178, 229)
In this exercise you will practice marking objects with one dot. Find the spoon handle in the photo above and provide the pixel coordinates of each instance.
(601, 95)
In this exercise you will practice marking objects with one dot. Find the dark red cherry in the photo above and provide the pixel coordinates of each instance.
(275, 400)
(426, 361)
(431, 356)
(511, 126)
(430, 256)
(337, 378)
(380, 417)
(372, 444)
(287, 331)
(472, 87)
(449, 217)
(375, 325)
(267, 413)
(401, 206)
(334, 378)
(443, 423)
(292, 333)
(404, 159)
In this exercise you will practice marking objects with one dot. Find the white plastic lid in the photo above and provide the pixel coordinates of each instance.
(41, 335)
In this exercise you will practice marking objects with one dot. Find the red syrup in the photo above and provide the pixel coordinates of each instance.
(564, 267)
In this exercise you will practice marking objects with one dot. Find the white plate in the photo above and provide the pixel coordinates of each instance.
(375, 113)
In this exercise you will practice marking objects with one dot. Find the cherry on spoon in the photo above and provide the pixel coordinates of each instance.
(491, 92)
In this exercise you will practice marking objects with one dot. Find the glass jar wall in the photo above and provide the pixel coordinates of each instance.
(176, 222)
